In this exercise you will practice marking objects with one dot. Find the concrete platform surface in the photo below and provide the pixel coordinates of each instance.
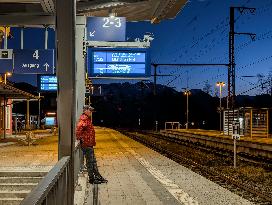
(139, 175)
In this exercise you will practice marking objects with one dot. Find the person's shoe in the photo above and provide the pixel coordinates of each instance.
(101, 179)
(95, 181)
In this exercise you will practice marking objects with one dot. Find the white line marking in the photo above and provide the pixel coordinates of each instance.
(175, 190)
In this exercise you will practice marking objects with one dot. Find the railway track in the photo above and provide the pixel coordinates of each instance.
(244, 189)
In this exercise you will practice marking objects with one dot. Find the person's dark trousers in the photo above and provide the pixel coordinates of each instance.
(91, 163)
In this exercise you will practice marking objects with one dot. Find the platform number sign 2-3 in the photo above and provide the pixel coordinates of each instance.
(106, 29)
(109, 21)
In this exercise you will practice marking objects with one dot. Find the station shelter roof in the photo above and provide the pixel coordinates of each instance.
(133, 10)
(11, 92)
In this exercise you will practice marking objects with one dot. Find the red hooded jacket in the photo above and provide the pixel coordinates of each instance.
(85, 131)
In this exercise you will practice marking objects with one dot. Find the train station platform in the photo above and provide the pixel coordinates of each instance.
(139, 175)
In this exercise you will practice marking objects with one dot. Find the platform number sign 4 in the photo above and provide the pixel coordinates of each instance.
(36, 55)
(38, 61)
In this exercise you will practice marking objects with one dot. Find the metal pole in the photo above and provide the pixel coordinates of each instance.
(39, 114)
(46, 38)
(231, 69)
(251, 122)
(155, 80)
(267, 123)
(4, 113)
(95, 194)
(22, 38)
(187, 112)
(234, 150)
(155, 98)
(220, 99)
(6, 39)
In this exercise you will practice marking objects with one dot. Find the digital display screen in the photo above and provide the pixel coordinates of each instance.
(119, 68)
(133, 62)
(114, 57)
(48, 83)
(50, 121)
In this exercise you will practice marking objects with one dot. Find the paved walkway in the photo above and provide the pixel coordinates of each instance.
(43, 153)
(138, 175)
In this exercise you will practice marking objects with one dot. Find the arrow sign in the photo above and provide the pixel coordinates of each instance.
(92, 34)
(34, 61)
(46, 65)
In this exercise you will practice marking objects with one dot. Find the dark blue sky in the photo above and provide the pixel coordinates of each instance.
(199, 34)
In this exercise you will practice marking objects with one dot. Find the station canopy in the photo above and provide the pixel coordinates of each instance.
(10, 92)
(133, 10)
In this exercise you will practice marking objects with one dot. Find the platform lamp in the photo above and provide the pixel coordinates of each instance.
(187, 93)
(7, 74)
(220, 85)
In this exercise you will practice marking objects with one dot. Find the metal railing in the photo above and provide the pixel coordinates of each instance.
(53, 188)
(78, 161)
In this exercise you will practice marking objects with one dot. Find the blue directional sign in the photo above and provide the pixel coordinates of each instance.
(6, 60)
(47, 83)
(34, 61)
(121, 62)
(106, 29)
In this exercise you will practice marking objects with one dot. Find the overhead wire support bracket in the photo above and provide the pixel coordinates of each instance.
(252, 35)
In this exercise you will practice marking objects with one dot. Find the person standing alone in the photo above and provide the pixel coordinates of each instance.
(85, 133)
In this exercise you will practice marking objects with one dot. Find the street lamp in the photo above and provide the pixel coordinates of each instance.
(187, 93)
(220, 85)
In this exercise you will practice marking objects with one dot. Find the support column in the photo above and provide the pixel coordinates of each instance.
(66, 71)
(80, 65)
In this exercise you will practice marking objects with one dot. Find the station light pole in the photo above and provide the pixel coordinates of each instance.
(220, 85)
(187, 93)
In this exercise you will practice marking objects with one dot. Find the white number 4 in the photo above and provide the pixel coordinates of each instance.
(36, 54)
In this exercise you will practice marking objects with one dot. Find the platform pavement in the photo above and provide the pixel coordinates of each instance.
(139, 175)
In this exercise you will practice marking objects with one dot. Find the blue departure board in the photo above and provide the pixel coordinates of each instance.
(47, 83)
(133, 62)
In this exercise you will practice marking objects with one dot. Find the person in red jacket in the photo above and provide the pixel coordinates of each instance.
(86, 135)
